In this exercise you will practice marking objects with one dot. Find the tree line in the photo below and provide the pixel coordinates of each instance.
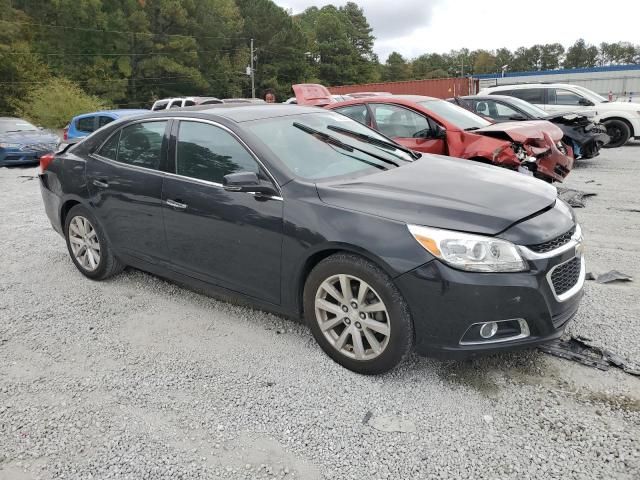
(126, 53)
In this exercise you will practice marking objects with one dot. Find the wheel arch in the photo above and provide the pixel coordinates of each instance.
(319, 254)
(625, 121)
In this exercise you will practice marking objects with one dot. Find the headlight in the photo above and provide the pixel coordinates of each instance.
(10, 145)
(474, 253)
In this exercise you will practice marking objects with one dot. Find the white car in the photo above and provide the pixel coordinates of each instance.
(621, 119)
(180, 102)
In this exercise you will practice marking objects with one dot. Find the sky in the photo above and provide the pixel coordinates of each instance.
(414, 27)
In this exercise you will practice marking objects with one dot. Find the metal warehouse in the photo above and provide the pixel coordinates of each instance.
(621, 81)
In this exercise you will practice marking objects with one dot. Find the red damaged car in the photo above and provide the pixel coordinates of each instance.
(431, 125)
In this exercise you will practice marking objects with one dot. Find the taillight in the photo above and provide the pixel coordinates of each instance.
(65, 133)
(45, 161)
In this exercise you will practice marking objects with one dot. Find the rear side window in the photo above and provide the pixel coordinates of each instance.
(160, 105)
(85, 124)
(559, 96)
(531, 95)
(189, 103)
(176, 104)
(358, 113)
(207, 152)
(104, 120)
(141, 144)
(110, 148)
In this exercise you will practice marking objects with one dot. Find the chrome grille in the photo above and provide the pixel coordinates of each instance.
(564, 277)
(553, 243)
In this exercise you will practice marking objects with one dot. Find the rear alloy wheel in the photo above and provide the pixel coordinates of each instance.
(618, 131)
(357, 315)
(88, 246)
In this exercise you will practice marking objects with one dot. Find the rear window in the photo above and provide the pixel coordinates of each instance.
(104, 120)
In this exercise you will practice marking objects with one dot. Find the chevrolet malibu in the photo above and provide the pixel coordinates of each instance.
(310, 214)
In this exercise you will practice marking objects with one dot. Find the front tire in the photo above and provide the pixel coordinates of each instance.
(88, 246)
(618, 131)
(357, 315)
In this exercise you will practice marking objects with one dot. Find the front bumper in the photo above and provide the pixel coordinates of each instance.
(446, 302)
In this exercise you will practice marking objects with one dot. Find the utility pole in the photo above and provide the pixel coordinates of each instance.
(253, 73)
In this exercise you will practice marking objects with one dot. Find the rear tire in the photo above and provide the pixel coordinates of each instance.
(618, 131)
(368, 330)
(88, 245)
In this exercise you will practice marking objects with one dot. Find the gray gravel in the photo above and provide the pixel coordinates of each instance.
(138, 378)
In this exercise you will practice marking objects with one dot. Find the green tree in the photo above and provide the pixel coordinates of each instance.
(396, 68)
(581, 55)
(551, 56)
(485, 62)
(54, 103)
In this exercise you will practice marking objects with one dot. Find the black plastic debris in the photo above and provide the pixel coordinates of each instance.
(613, 276)
(575, 198)
(582, 350)
(589, 276)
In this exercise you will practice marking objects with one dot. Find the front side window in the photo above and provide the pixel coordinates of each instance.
(85, 124)
(399, 122)
(207, 152)
(189, 103)
(358, 113)
(559, 96)
(141, 144)
(531, 95)
(176, 104)
(160, 105)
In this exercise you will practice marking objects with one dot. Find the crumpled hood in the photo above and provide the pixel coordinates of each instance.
(29, 138)
(522, 131)
(444, 192)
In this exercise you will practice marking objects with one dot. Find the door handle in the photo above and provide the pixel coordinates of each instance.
(175, 204)
(101, 184)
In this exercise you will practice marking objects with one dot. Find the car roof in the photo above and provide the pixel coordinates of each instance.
(240, 112)
(487, 97)
(528, 85)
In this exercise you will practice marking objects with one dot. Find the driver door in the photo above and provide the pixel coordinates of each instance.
(407, 127)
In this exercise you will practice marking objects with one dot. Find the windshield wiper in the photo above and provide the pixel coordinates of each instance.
(345, 146)
(470, 129)
(374, 141)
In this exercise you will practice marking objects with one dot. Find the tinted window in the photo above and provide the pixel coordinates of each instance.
(103, 120)
(356, 112)
(160, 105)
(189, 103)
(559, 96)
(85, 124)
(141, 144)
(531, 95)
(110, 149)
(176, 104)
(209, 153)
(394, 121)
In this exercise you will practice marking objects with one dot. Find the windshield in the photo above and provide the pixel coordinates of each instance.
(16, 125)
(307, 156)
(532, 110)
(593, 96)
(458, 116)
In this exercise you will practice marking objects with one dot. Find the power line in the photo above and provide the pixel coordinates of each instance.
(124, 32)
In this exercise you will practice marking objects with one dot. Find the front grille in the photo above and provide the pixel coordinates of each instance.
(553, 243)
(565, 276)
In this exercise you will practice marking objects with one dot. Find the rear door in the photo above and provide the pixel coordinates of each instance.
(407, 127)
(125, 183)
(231, 239)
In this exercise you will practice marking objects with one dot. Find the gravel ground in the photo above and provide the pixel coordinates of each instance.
(137, 378)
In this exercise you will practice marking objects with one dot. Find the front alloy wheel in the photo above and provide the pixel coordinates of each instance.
(352, 317)
(357, 315)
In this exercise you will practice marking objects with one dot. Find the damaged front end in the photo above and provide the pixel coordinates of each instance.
(585, 136)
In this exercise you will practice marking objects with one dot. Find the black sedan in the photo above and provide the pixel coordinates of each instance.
(309, 213)
(585, 137)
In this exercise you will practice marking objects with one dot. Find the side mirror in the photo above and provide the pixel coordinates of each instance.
(585, 103)
(246, 182)
(517, 117)
(439, 132)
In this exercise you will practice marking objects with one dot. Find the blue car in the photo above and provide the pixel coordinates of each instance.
(22, 143)
(84, 125)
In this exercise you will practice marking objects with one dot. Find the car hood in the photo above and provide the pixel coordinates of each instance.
(521, 131)
(444, 192)
(618, 106)
(29, 138)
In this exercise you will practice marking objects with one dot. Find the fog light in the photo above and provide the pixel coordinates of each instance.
(488, 330)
